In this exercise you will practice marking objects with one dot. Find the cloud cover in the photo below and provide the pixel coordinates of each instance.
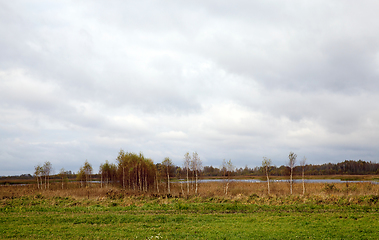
(82, 79)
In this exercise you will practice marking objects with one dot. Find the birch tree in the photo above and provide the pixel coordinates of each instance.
(227, 168)
(178, 176)
(108, 173)
(47, 168)
(157, 179)
(266, 163)
(291, 163)
(136, 171)
(101, 172)
(167, 165)
(38, 173)
(122, 160)
(187, 162)
(80, 176)
(87, 171)
(62, 174)
(196, 167)
(302, 164)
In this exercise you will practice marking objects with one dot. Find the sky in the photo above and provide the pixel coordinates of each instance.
(238, 80)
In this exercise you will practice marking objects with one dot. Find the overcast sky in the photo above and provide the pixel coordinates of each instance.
(232, 80)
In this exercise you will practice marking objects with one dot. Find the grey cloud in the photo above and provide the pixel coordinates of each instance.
(241, 81)
(299, 55)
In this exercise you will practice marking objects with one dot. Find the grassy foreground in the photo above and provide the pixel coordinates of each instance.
(253, 217)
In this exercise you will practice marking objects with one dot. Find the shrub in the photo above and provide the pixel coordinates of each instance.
(330, 188)
(38, 196)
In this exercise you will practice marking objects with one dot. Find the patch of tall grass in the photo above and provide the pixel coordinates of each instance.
(242, 192)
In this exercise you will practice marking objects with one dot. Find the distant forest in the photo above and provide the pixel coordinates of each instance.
(348, 167)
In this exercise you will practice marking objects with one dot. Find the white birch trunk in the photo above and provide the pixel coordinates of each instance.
(196, 182)
(157, 181)
(123, 177)
(187, 179)
(303, 182)
(291, 180)
(168, 182)
(268, 182)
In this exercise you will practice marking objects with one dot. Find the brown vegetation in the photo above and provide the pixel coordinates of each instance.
(209, 189)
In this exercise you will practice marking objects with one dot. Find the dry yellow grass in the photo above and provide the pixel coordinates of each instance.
(209, 189)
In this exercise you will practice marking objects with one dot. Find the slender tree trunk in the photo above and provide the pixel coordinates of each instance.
(157, 181)
(37, 183)
(136, 172)
(268, 182)
(192, 182)
(45, 183)
(143, 180)
(196, 182)
(123, 177)
(106, 179)
(146, 188)
(130, 180)
(62, 183)
(291, 181)
(303, 182)
(168, 182)
(181, 186)
(187, 180)
(140, 180)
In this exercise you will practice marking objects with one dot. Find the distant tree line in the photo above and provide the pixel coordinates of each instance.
(348, 167)
(135, 172)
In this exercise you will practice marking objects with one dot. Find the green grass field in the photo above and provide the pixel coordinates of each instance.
(37, 217)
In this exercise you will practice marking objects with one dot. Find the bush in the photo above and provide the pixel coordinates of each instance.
(38, 196)
(330, 188)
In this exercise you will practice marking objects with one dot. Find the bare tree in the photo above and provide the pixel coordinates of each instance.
(87, 171)
(266, 163)
(80, 176)
(187, 162)
(196, 167)
(227, 169)
(101, 172)
(107, 172)
(47, 168)
(292, 162)
(178, 176)
(302, 164)
(167, 163)
(122, 160)
(157, 180)
(38, 173)
(62, 173)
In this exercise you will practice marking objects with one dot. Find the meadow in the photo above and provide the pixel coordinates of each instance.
(334, 211)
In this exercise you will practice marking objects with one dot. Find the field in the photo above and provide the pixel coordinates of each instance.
(334, 211)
